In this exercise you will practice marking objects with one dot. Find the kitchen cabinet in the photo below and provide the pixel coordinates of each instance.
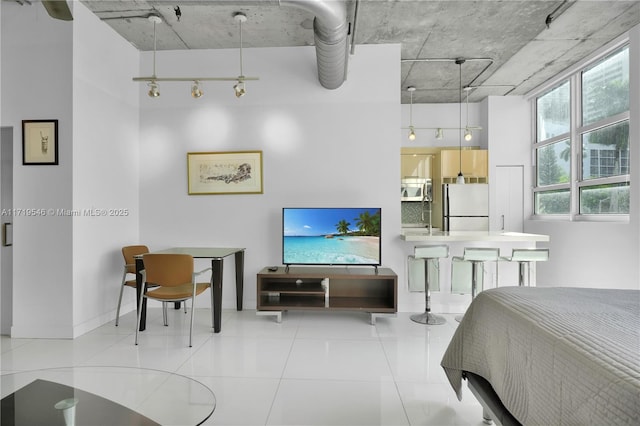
(475, 165)
(416, 165)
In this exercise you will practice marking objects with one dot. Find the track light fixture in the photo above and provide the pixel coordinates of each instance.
(467, 132)
(439, 134)
(196, 91)
(239, 89)
(439, 131)
(153, 89)
(412, 133)
(153, 85)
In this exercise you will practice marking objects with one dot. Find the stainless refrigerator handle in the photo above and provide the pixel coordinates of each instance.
(503, 222)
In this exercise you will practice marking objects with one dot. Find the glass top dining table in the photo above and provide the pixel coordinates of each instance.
(103, 395)
(217, 256)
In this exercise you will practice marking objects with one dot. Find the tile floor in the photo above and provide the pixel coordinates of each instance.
(314, 368)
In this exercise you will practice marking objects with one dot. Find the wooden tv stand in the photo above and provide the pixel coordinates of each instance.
(327, 288)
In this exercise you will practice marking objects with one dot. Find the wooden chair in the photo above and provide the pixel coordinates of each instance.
(175, 281)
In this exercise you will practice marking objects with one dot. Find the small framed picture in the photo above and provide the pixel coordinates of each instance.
(40, 142)
(224, 172)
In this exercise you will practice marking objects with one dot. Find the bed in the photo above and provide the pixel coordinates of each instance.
(550, 356)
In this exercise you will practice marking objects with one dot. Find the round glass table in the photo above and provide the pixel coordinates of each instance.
(102, 395)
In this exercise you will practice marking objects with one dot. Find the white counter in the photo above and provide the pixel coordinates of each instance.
(423, 235)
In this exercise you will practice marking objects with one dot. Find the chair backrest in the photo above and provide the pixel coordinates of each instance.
(129, 253)
(168, 270)
(481, 254)
(530, 255)
(431, 252)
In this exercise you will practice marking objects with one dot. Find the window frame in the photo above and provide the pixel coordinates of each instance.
(575, 136)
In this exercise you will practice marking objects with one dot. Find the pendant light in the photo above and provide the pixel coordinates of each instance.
(460, 178)
(412, 133)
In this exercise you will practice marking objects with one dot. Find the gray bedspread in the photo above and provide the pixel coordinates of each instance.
(554, 356)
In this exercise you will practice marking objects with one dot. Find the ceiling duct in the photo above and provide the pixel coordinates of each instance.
(330, 31)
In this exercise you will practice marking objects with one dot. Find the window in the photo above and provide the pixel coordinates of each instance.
(582, 165)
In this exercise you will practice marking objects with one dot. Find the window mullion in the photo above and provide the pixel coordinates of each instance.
(576, 144)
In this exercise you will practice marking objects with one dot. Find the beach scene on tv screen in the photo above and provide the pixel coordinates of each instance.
(340, 236)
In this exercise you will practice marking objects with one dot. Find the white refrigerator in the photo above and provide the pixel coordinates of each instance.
(465, 207)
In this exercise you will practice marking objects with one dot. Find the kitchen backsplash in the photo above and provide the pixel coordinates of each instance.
(411, 212)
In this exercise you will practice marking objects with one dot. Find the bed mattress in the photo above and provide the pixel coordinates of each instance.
(567, 356)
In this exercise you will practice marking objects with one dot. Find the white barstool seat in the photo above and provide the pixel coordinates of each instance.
(477, 256)
(429, 254)
(524, 257)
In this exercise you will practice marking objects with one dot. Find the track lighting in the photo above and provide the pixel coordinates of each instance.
(196, 92)
(439, 134)
(153, 89)
(239, 89)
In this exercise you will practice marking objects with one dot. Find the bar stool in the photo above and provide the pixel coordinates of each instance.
(429, 254)
(524, 257)
(477, 256)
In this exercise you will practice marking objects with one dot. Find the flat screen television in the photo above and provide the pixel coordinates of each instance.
(331, 236)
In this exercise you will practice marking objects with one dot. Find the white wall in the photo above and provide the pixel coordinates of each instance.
(67, 269)
(105, 167)
(509, 129)
(6, 287)
(320, 148)
(37, 84)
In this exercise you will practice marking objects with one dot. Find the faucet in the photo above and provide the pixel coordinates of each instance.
(423, 201)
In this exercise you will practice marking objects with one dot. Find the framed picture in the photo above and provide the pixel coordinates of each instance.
(224, 172)
(40, 142)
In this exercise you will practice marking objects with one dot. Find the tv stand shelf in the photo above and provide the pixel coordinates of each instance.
(327, 288)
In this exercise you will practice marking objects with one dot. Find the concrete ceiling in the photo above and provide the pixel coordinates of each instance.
(507, 45)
